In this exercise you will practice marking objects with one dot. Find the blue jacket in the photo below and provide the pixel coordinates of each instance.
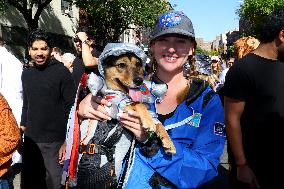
(199, 137)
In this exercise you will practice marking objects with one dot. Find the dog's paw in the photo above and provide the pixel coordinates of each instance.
(149, 126)
(169, 147)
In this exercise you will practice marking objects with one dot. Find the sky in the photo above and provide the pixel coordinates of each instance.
(210, 17)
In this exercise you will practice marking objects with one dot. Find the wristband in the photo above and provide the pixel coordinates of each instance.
(86, 42)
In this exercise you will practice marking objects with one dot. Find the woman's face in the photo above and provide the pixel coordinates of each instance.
(171, 52)
(214, 65)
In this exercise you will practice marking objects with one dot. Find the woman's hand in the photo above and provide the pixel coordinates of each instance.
(92, 107)
(82, 36)
(246, 175)
(131, 121)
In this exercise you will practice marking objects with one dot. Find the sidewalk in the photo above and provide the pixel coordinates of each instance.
(17, 181)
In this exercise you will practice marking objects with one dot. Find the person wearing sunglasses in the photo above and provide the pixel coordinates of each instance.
(87, 53)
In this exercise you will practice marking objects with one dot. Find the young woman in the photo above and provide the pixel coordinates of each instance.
(191, 112)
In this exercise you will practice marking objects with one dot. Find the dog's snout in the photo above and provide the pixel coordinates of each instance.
(138, 81)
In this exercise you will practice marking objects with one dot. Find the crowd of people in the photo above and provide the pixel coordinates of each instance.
(208, 101)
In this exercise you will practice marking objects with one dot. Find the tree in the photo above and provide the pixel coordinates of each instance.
(25, 7)
(199, 50)
(253, 12)
(112, 17)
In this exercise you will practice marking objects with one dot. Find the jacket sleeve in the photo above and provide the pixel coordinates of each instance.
(9, 132)
(195, 163)
(25, 104)
(68, 91)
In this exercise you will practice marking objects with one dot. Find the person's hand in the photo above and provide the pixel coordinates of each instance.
(246, 175)
(82, 36)
(57, 56)
(131, 121)
(22, 130)
(93, 108)
(62, 152)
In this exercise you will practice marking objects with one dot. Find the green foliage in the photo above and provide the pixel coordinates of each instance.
(199, 50)
(3, 5)
(214, 52)
(254, 13)
(112, 17)
(231, 50)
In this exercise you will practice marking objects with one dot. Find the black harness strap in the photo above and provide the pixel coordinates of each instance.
(207, 98)
(156, 181)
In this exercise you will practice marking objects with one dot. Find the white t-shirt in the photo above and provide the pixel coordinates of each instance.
(223, 75)
(11, 87)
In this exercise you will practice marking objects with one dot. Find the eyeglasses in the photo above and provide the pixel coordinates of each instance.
(76, 40)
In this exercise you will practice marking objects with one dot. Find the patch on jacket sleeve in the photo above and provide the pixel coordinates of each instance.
(195, 121)
(219, 129)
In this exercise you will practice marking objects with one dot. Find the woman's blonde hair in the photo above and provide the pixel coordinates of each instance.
(245, 45)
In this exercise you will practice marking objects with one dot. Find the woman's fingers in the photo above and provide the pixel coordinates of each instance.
(100, 100)
(131, 121)
(130, 124)
(92, 107)
(129, 118)
(139, 134)
(98, 113)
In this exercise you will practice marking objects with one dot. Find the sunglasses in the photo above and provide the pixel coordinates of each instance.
(76, 40)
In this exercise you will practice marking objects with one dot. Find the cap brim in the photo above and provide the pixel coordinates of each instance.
(173, 31)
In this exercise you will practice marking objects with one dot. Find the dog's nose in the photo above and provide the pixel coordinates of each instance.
(138, 81)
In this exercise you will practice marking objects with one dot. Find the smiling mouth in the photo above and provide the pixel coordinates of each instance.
(170, 58)
(39, 59)
(124, 86)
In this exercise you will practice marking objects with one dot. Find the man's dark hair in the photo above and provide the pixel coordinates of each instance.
(273, 24)
(87, 30)
(39, 35)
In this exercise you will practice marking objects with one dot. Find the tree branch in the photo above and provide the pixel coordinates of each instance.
(41, 6)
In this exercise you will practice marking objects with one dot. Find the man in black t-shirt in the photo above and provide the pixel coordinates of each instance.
(254, 109)
(87, 60)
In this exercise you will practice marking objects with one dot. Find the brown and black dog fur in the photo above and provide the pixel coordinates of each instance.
(124, 72)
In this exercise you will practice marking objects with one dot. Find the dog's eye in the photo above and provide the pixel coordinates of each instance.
(121, 65)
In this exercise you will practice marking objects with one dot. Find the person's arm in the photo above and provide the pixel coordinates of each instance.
(68, 91)
(9, 131)
(197, 159)
(233, 111)
(23, 123)
(88, 59)
(92, 107)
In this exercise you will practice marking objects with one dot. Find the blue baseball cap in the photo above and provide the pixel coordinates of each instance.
(172, 22)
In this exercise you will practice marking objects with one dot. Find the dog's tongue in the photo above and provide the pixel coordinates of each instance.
(135, 95)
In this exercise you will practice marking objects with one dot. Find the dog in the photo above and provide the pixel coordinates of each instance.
(125, 74)
(121, 81)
